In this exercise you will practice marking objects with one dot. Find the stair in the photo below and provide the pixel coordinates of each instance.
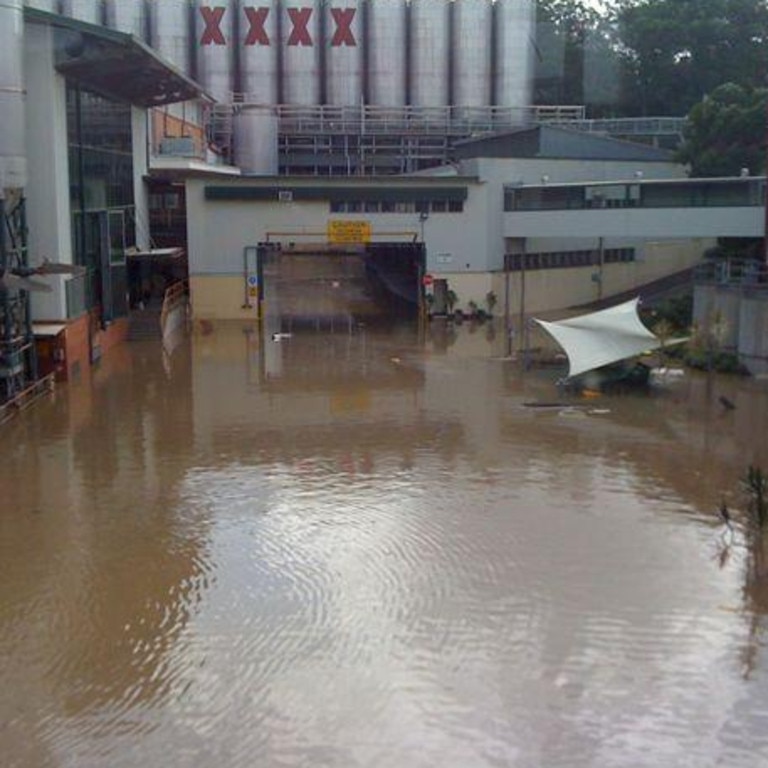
(144, 324)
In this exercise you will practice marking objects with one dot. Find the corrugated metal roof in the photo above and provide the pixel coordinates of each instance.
(557, 143)
(114, 64)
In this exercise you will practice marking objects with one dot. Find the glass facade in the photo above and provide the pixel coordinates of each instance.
(101, 196)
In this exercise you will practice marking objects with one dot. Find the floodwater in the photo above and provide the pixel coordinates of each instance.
(358, 547)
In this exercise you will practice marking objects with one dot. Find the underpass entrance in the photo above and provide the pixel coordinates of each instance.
(334, 287)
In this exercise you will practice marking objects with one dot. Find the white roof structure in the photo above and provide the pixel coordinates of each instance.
(603, 337)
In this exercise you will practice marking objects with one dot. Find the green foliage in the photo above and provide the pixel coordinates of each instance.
(725, 132)
(709, 360)
(675, 51)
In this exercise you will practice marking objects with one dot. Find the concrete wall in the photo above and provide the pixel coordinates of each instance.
(737, 318)
(501, 171)
(48, 209)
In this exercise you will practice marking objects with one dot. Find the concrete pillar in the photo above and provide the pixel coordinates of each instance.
(139, 139)
(48, 204)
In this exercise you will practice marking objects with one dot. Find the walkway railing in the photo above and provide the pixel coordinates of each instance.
(750, 273)
(175, 297)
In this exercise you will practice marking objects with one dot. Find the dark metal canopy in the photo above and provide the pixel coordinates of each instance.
(114, 64)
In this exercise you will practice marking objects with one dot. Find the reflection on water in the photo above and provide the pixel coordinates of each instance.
(358, 547)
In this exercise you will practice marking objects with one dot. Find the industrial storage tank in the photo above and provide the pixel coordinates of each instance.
(386, 52)
(343, 53)
(13, 154)
(169, 28)
(514, 27)
(127, 16)
(256, 143)
(429, 50)
(84, 10)
(214, 47)
(259, 52)
(472, 44)
(300, 49)
(51, 6)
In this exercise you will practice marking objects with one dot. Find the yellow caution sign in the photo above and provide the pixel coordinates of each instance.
(348, 232)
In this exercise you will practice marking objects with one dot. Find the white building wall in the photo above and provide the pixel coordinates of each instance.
(218, 231)
(639, 222)
(48, 204)
(140, 142)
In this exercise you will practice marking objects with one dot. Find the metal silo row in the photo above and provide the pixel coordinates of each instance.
(390, 53)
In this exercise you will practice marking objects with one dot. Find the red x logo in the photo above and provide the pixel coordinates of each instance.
(343, 34)
(256, 34)
(212, 18)
(299, 33)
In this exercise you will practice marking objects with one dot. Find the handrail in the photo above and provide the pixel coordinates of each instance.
(175, 294)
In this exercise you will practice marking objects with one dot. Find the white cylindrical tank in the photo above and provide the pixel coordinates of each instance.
(51, 6)
(429, 53)
(214, 47)
(259, 51)
(169, 31)
(127, 16)
(84, 10)
(513, 71)
(386, 52)
(300, 50)
(472, 31)
(256, 148)
(343, 53)
(13, 153)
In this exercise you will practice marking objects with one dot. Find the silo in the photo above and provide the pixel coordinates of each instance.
(386, 52)
(472, 30)
(299, 45)
(214, 47)
(256, 150)
(429, 51)
(13, 154)
(84, 10)
(51, 6)
(127, 16)
(259, 51)
(513, 70)
(343, 53)
(169, 31)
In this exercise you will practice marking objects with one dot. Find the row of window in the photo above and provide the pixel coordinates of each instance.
(738, 192)
(565, 259)
(390, 206)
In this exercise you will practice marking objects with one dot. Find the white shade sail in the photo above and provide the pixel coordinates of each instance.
(603, 337)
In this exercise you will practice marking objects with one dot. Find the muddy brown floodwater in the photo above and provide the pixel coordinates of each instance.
(358, 547)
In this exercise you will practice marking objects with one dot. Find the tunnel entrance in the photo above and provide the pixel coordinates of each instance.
(331, 288)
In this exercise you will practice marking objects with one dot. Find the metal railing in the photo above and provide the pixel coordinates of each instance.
(175, 296)
(751, 273)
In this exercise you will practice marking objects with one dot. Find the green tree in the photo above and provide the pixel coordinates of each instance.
(675, 51)
(725, 132)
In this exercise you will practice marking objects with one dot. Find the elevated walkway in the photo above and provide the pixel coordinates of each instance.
(672, 208)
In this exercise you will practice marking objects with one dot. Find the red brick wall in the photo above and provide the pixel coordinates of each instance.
(77, 346)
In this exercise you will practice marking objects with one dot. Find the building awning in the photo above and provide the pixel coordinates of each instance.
(114, 64)
(47, 330)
